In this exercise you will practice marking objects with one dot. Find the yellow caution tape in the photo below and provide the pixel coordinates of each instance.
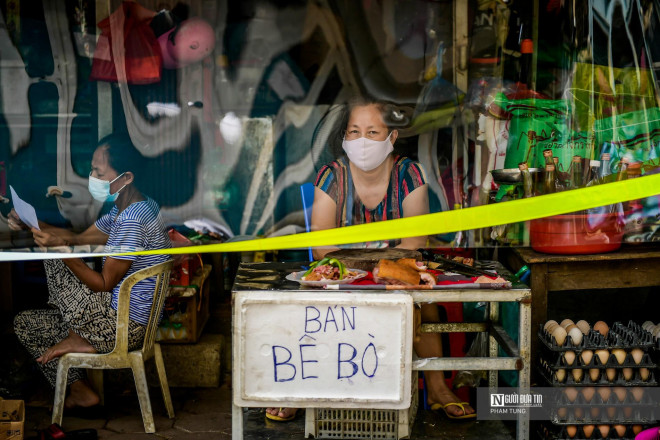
(430, 224)
(449, 221)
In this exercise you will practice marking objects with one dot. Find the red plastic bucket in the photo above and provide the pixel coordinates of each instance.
(577, 233)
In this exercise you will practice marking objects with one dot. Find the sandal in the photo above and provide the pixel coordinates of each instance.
(461, 405)
(277, 418)
(55, 432)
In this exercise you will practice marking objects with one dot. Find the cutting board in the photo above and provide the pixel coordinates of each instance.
(367, 259)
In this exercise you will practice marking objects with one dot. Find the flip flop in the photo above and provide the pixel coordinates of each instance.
(461, 405)
(277, 418)
(55, 432)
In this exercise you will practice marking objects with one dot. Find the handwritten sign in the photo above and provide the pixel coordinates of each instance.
(322, 349)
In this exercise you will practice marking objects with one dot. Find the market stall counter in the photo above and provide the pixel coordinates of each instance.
(296, 345)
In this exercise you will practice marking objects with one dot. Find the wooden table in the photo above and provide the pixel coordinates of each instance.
(631, 266)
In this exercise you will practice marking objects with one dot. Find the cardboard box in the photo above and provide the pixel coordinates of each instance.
(12, 419)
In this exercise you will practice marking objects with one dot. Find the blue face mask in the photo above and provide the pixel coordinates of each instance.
(100, 189)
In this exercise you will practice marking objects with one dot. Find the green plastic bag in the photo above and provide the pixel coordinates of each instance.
(539, 124)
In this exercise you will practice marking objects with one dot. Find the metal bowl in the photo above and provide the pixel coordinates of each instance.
(511, 175)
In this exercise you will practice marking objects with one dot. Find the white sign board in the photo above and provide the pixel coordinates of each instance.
(322, 349)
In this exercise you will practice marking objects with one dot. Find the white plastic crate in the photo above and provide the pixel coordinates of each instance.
(381, 424)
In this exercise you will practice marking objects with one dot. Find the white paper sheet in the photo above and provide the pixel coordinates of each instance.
(24, 210)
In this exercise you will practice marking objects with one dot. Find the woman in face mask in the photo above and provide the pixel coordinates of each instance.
(83, 313)
(369, 182)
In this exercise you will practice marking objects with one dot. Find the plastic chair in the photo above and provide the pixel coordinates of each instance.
(307, 194)
(120, 357)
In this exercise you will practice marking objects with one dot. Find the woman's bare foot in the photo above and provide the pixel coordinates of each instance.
(284, 413)
(73, 343)
(439, 392)
(80, 394)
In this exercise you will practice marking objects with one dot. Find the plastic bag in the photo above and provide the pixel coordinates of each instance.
(141, 55)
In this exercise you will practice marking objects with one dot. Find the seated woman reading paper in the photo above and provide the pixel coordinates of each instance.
(83, 303)
(367, 184)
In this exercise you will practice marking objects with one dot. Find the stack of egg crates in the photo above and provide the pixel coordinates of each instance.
(603, 381)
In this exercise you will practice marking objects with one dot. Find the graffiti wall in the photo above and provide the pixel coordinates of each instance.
(232, 103)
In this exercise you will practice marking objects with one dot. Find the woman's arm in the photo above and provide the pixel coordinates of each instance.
(48, 235)
(91, 235)
(113, 271)
(416, 203)
(324, 212)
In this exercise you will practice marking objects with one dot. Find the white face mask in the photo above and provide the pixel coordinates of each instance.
(367, 154)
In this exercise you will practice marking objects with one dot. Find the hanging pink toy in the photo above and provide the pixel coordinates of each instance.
(191, 41)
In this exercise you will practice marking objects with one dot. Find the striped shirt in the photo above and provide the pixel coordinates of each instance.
(138, 227)
(335, 179)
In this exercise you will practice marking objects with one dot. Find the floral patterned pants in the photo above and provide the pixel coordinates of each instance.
(73, 307)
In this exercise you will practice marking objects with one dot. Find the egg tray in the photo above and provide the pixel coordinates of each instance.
(549, 375)
(613, 400)
(556, 359)
(619, 336)
(639, 416)
(554, 434)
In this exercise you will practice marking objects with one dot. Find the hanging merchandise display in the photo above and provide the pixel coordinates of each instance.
(127, 49)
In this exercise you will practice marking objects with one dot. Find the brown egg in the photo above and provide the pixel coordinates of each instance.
(562, 412)
(604, 393)
(549, 323)
(569, 357)
(579, 413)
(571, 393)
(583, 326)
(588, 430)
(560, 336)
(566, 322)
(656, 332)
(637, 355)
(576, 336)
(551, 328)
(604, 430)
(611, 412)
(620, 430)
(644, 374)
(570, 327)
(594, 374)
(627, 373)
(561, 375)
(577, 373)
(620, 393)
(587, 356)
(620, 355)
(602, 328)
(637, 393)
(603, 356)
(611, 374)
(627, 412)
(571, 430)
(595, 412)
(637, 429)
(588, 393)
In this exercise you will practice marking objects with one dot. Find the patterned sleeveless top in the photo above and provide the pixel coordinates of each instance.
(335, 179)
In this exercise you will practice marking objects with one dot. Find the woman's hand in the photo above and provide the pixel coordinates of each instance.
(46, 239)
(15, 223)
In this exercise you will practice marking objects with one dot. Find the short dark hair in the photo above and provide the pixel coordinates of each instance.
(393, 118)
(122, 154)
